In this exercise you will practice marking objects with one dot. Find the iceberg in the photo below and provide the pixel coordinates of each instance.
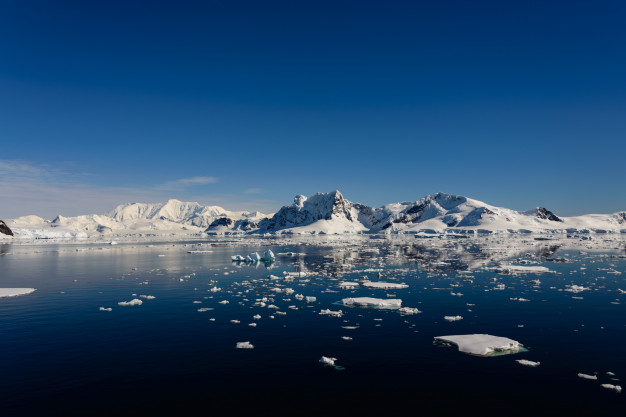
(14, 292)
(482, 344)
(372, 302)
(585, 376)
(331, 313)
(452, 318)
(254, 257)
(244, 345)
(268, 256)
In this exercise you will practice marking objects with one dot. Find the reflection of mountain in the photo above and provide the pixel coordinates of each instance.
(438, 256)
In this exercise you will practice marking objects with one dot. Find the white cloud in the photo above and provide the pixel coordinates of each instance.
(27, 188)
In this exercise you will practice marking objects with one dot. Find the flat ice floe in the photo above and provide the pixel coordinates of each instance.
(521, 269)
(452, 318)
(615, 388)
(133, 302)
(14, 292)
(526, 362)
(384, 285)
(482, 344)
(372, 302)
(244, 345)
(585, 376)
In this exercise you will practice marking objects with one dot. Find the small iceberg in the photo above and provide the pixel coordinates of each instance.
(483, 344)
(268, 256)
(408, 310)
(372, 302)
(452, 318)
(244, 345)
(14, 292)
(590, 377)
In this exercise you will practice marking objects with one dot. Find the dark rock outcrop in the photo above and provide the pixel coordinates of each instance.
(5, 229)
(544, 213)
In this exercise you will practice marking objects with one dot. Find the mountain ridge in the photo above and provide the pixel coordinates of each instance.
(321, 213)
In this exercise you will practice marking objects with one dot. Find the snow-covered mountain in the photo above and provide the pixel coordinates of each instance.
(322, 213)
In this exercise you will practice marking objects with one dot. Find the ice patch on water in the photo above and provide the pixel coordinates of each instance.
(452, 318)
(383, 285)
(372, 302)
(526, 362)
(590, 377)
(615, 388)
(482, 344)
(244, 345)
(14, 292)
(133, 302)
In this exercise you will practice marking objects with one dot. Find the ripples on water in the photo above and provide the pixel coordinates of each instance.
(61, 355)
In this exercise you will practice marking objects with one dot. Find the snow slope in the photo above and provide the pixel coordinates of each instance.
(322, 213)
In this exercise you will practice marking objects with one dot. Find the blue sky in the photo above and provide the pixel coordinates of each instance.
(246, 104)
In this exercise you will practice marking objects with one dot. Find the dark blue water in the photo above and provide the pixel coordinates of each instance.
(61, 356)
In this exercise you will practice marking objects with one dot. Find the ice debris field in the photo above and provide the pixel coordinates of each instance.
(516, 304)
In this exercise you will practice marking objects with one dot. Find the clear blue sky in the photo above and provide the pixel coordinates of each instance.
(245, 104)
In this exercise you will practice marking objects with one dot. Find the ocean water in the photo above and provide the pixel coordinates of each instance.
(61, 356)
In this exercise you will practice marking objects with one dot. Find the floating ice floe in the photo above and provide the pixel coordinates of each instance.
(105, 309)
(331, 313)
(223, 302)
(521, 269)
(620, 291)
(372, 302)
(14, 292)
(237, 258)
(147, 297)
(384, 285)
(408, 310)
(615, 388)
(133, 302)
(452, 318)
(203, 309)
(244, 345)
(346, 338)
(585, 376)
(575, 288)
(526, 362)
(310, 299)
(482, 344)
(215, 289)
(257, 317)
(347, 284)
(328, 361)
(255, 257)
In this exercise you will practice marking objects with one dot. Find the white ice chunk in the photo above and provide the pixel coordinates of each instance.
(310, 299)
(328, 361)
(408, 310)
(615, 388)
(331, 313)
(482, 344)
(384, 285)
(372, 302)
(269, 256)
(347, 284)
(521, 269)
(575, 288)
(106, 309)
(255, 257)
(257, 317)
(14, 292)
(526, 362)
(244, 345)
(237, 258)
(147, 297)
(585, 376)
(452, 318)
(133, 302)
